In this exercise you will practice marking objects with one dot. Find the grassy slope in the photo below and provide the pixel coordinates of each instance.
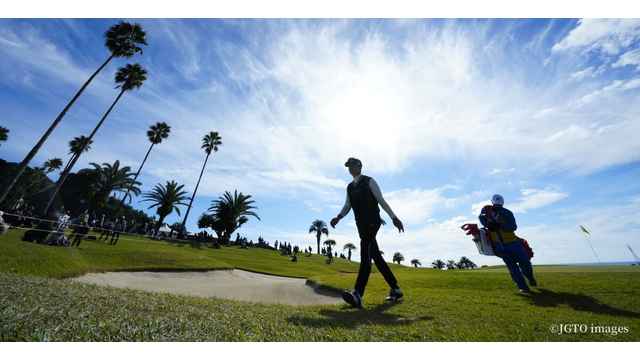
(460, 305)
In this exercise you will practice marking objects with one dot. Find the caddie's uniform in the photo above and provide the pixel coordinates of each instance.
(507, 244)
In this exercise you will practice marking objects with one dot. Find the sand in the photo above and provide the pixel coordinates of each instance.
(228, 284)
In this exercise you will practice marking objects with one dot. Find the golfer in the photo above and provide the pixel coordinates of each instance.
(363, 195)
(502, 224)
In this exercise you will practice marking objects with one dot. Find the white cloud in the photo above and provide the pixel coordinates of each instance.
(607, 35)
(536, 198)
(629, 58)
(424, 103)
(616, 86)
(588, 72)
(498, 171)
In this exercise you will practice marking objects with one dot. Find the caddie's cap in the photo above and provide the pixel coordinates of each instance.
(353, 160)
(497, 200)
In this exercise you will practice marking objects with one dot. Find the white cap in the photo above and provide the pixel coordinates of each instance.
(497, 200)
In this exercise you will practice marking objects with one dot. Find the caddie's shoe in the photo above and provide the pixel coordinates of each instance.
(394, 294)
(352, 298)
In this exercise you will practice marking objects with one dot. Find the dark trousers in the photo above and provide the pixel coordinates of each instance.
(369, 251)
(114, 235)
(79, 234)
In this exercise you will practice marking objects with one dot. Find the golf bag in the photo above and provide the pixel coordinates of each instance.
(483, 240)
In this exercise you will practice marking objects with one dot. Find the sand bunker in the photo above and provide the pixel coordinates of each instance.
(227, 284)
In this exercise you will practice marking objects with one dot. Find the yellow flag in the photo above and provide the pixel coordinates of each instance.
(583, 229)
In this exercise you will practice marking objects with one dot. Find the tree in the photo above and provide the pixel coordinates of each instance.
(350, 247)
(319, 227)
(398, 257)
(213, 222)
(48, 167)
(451, 265)
(129, 77)
(210, 143)
(78, 145)
(82, 188)
(122, 40)
(232, 211)
(51, 165)
(330, 242)
(4, 135)
(26, 184)
(165, 199)
(155, 134)
(438, 264)
(415, 262)
(466, 263)
(109, 178)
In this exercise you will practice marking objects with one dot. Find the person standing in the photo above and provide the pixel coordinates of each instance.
(100, 224)
(107, 228)
(120, 226)
(364, 196)
(502, 225)
(80, 229)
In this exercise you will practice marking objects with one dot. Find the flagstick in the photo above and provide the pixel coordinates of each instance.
(594, 252)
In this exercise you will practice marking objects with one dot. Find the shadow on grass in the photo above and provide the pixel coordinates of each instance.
(349, 317)
(546, 298)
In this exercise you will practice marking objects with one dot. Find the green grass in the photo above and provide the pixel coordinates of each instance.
(39, 303)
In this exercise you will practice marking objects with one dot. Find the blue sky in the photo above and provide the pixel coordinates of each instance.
(443, 114)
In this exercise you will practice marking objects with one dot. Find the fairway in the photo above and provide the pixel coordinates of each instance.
(41, 302)
(542, 269)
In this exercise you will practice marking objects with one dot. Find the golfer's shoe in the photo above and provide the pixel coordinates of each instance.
(525, 290)
(394, 294)
(352, 298)
(533, 282)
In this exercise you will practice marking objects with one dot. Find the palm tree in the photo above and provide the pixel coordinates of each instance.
(330, 242)
(415, 262)
(4, 134)
(451, 265)
(129, 77)
(319, 227)
(48, 167)
(398, 257)
(438, 264)
(210, 143)
(155, 134)
(466, 263)
(469, 264)
(78, 145)
(166, 199)
(232, 211)
(350, 247)
(27, 183)
(122, 40)
(110, 178)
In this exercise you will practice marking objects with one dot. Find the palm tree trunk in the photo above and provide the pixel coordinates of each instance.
(69, 163)
(135, 177)
(64, 175)
(23, 165)
(160, 222)
(44, 176)
(194, 194)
